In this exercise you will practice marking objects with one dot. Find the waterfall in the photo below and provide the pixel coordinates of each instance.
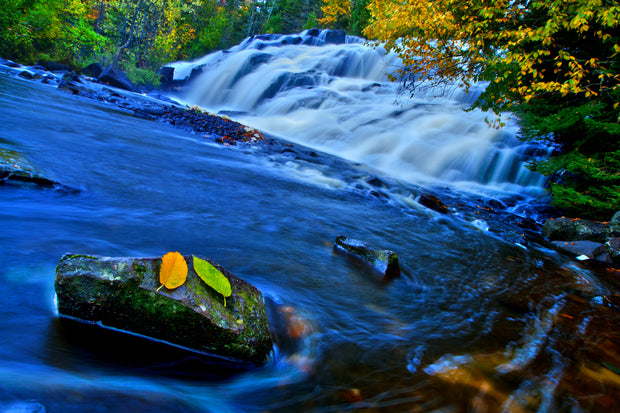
(333, 94)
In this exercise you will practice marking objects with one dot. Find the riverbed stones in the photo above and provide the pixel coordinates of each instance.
(381, 261)
(121, 293)
(72, 83)
(562, 229)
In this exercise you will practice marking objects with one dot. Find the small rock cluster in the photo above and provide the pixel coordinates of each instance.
(587, 240)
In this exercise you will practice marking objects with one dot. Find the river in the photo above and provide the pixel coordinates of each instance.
(481, 320)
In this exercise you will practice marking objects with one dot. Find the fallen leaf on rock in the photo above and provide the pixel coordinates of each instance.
(212, 277)
(173, 272)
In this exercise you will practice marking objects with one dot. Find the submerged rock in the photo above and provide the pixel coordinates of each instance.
(382, 261)
(14, 168)
(121, 293)
(434, 203)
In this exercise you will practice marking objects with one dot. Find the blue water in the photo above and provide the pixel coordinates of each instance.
(145, 188)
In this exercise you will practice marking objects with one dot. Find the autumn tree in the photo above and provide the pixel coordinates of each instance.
(336, 13)
(555, 63)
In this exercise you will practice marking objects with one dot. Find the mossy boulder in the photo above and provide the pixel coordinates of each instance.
(121, 293)
(562, 229)
(381, 261)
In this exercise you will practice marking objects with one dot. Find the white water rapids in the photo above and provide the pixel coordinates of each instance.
(337, 98)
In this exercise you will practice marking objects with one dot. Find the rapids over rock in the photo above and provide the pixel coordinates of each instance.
(337, 98)
(484, 316)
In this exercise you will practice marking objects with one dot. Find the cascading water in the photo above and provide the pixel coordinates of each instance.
(337, 98)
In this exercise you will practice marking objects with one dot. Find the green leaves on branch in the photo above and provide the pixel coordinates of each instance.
(212, 277)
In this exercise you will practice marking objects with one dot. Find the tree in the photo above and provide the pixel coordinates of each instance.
(555, 63)
(350, 15)
(290, 16)
(336, 13)
(32, 30)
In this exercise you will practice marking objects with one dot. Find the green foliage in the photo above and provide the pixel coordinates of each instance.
(33, 30)
(312, 22)
(360, 17)
(352, 16)
(556, 63)
(587, 186)
(290, 16)
(212, 277)
(142, 77)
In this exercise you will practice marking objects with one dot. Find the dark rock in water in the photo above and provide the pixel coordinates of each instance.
(115, 77)
(26, 75)
(613, 249)
(121, 293)
(55, 66)
(380, 260)
(589, 249)
(196, 72)
(614, 225)
(71, 82)
(559, 229)
(528, 223)
(167, 75)
(374, 181)
(92, 70)
(335, 36)
(434, 203)
(14, 168)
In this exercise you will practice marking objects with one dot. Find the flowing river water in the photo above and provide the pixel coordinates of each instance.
(481, 320)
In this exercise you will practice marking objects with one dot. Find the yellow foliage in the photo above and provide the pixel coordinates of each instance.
(334, 11)
(458, 40)
(173, 272)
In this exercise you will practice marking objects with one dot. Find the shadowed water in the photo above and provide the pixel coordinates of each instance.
(453, 333)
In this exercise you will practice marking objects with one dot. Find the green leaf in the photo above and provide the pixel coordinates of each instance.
(212, 277)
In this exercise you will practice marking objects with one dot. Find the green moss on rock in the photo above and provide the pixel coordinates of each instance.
(122, 293)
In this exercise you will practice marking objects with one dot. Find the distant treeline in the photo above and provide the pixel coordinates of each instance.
(148, 33)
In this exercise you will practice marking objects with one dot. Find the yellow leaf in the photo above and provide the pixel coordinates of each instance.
(173, 272)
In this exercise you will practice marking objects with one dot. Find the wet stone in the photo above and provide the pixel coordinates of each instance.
(15, 168)
(575, 230)
(578, 248)
(121, 293)
(434, 203)
(382, 261)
